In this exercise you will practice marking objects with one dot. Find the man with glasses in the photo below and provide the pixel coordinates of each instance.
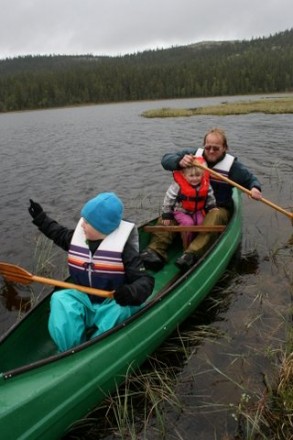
(215, 153)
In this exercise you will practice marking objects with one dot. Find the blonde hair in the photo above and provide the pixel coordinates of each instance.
(187, 170)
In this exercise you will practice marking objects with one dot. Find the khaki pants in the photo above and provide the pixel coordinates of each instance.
(162, 240)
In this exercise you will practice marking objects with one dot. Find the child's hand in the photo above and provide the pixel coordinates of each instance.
(35, 209)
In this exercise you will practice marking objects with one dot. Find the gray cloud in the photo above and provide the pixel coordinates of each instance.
(127, 26)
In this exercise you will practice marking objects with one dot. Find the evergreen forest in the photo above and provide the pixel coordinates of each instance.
(259, 66)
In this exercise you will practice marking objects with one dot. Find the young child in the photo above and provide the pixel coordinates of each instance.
(102, 253)
(188, 199)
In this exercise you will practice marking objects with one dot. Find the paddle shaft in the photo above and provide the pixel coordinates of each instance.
(67, 285)
(181, 228)
(245, 190)
(17, 274)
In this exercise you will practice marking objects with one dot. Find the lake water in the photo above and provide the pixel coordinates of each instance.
(62, 157)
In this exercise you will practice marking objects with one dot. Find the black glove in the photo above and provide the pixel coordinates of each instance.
(123, 296)
(35, 209)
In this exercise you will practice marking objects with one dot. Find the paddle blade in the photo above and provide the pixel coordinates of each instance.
(11, 272)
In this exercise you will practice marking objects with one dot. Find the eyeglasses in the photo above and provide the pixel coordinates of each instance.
(212, 147)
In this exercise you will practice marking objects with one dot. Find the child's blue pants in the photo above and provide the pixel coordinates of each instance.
(73, 313)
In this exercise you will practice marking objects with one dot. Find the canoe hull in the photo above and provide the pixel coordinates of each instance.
(40, 401)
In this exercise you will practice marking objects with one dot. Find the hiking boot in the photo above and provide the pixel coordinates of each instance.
(186, 261)
(151, 259)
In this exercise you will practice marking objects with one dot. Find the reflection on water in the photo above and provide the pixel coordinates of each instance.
(62, 157)
(15, 298)
(246, 262)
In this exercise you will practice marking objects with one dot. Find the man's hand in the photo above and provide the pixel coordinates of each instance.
(256, 193)
(186, 160)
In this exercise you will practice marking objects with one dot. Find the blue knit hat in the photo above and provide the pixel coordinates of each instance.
(104, 212)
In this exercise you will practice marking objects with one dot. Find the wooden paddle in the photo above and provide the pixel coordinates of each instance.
(17, 274)
(181, 228)
(247, 191)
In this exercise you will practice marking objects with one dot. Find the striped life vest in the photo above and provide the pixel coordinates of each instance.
(222, 190)
(191, 199)
(104, 269)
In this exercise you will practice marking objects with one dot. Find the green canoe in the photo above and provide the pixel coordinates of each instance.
(42, 392)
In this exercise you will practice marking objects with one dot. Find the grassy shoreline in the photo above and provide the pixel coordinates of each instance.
(149, 401)
(266, 105)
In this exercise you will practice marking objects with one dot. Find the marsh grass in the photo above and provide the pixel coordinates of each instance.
(44, 259)
(269, 416)
(44, 264)
(166, 388)
(150, 392)
(21, 298)
(269, 106)
(136, 410)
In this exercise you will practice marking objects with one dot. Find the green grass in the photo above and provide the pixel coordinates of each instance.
(269, 106)
(150, 399)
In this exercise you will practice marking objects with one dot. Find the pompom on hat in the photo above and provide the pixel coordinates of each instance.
(103, 212)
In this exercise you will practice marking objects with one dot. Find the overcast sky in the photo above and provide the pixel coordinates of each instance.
(117, 27)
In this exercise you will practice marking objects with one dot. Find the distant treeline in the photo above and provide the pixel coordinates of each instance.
(262, 65)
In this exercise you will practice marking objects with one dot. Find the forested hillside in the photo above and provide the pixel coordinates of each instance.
(263, 65)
